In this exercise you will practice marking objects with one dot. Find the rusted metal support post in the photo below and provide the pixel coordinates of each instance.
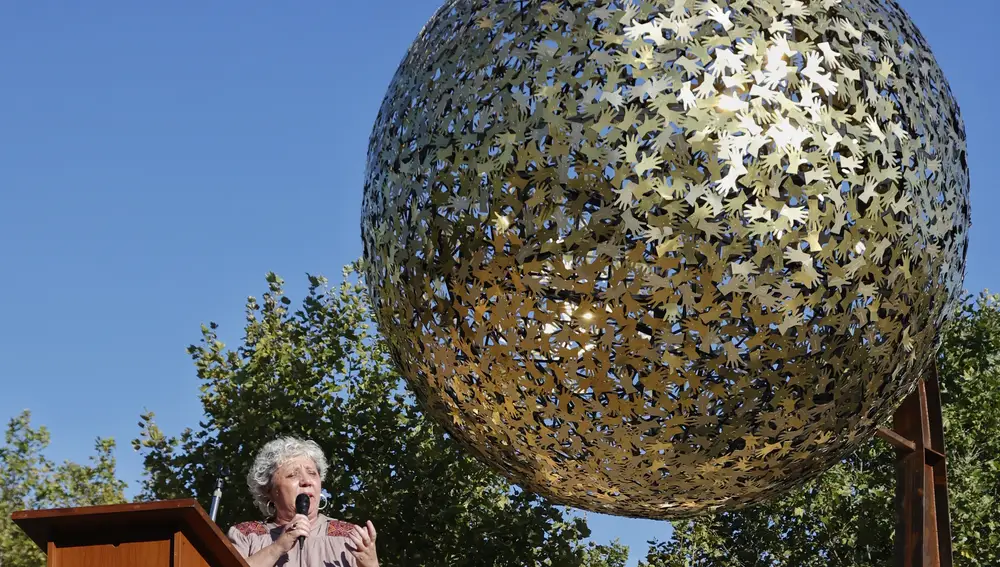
(923, 529)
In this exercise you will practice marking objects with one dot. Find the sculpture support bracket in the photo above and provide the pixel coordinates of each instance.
(923, 529)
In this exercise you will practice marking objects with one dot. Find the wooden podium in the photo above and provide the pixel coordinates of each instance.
(172, 533)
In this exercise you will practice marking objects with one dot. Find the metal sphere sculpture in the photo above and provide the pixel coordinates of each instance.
(655, 258)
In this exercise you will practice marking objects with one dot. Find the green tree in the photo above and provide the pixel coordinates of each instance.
(29, 481)
(614, 554)
(321, 372)
(845, 518)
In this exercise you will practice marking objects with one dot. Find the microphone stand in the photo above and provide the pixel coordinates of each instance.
(213, 511)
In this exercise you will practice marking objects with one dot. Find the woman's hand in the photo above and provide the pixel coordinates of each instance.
(269, 556)
(299, 526)
(363, 540)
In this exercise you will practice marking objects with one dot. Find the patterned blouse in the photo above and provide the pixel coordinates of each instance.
(326, 545)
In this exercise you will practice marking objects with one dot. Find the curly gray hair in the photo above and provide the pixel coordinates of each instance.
(271, 457)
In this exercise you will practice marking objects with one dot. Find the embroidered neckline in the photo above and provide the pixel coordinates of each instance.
(248, 528)
(338, 528)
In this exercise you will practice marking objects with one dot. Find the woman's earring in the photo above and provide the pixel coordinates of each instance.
(323, 502)
(268, 511)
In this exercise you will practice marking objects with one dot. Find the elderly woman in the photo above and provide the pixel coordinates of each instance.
(282, 470)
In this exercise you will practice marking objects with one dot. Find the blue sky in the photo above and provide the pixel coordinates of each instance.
(157, 159)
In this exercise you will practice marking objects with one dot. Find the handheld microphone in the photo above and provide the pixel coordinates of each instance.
(302, 507)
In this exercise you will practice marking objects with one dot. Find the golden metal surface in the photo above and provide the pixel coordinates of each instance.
(661, 257)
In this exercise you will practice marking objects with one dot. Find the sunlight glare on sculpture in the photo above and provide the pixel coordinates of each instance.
(656, 258)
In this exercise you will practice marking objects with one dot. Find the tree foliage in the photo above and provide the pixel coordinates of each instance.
(846, 517)
(614, 554)
(321, 372)
(30, 481)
